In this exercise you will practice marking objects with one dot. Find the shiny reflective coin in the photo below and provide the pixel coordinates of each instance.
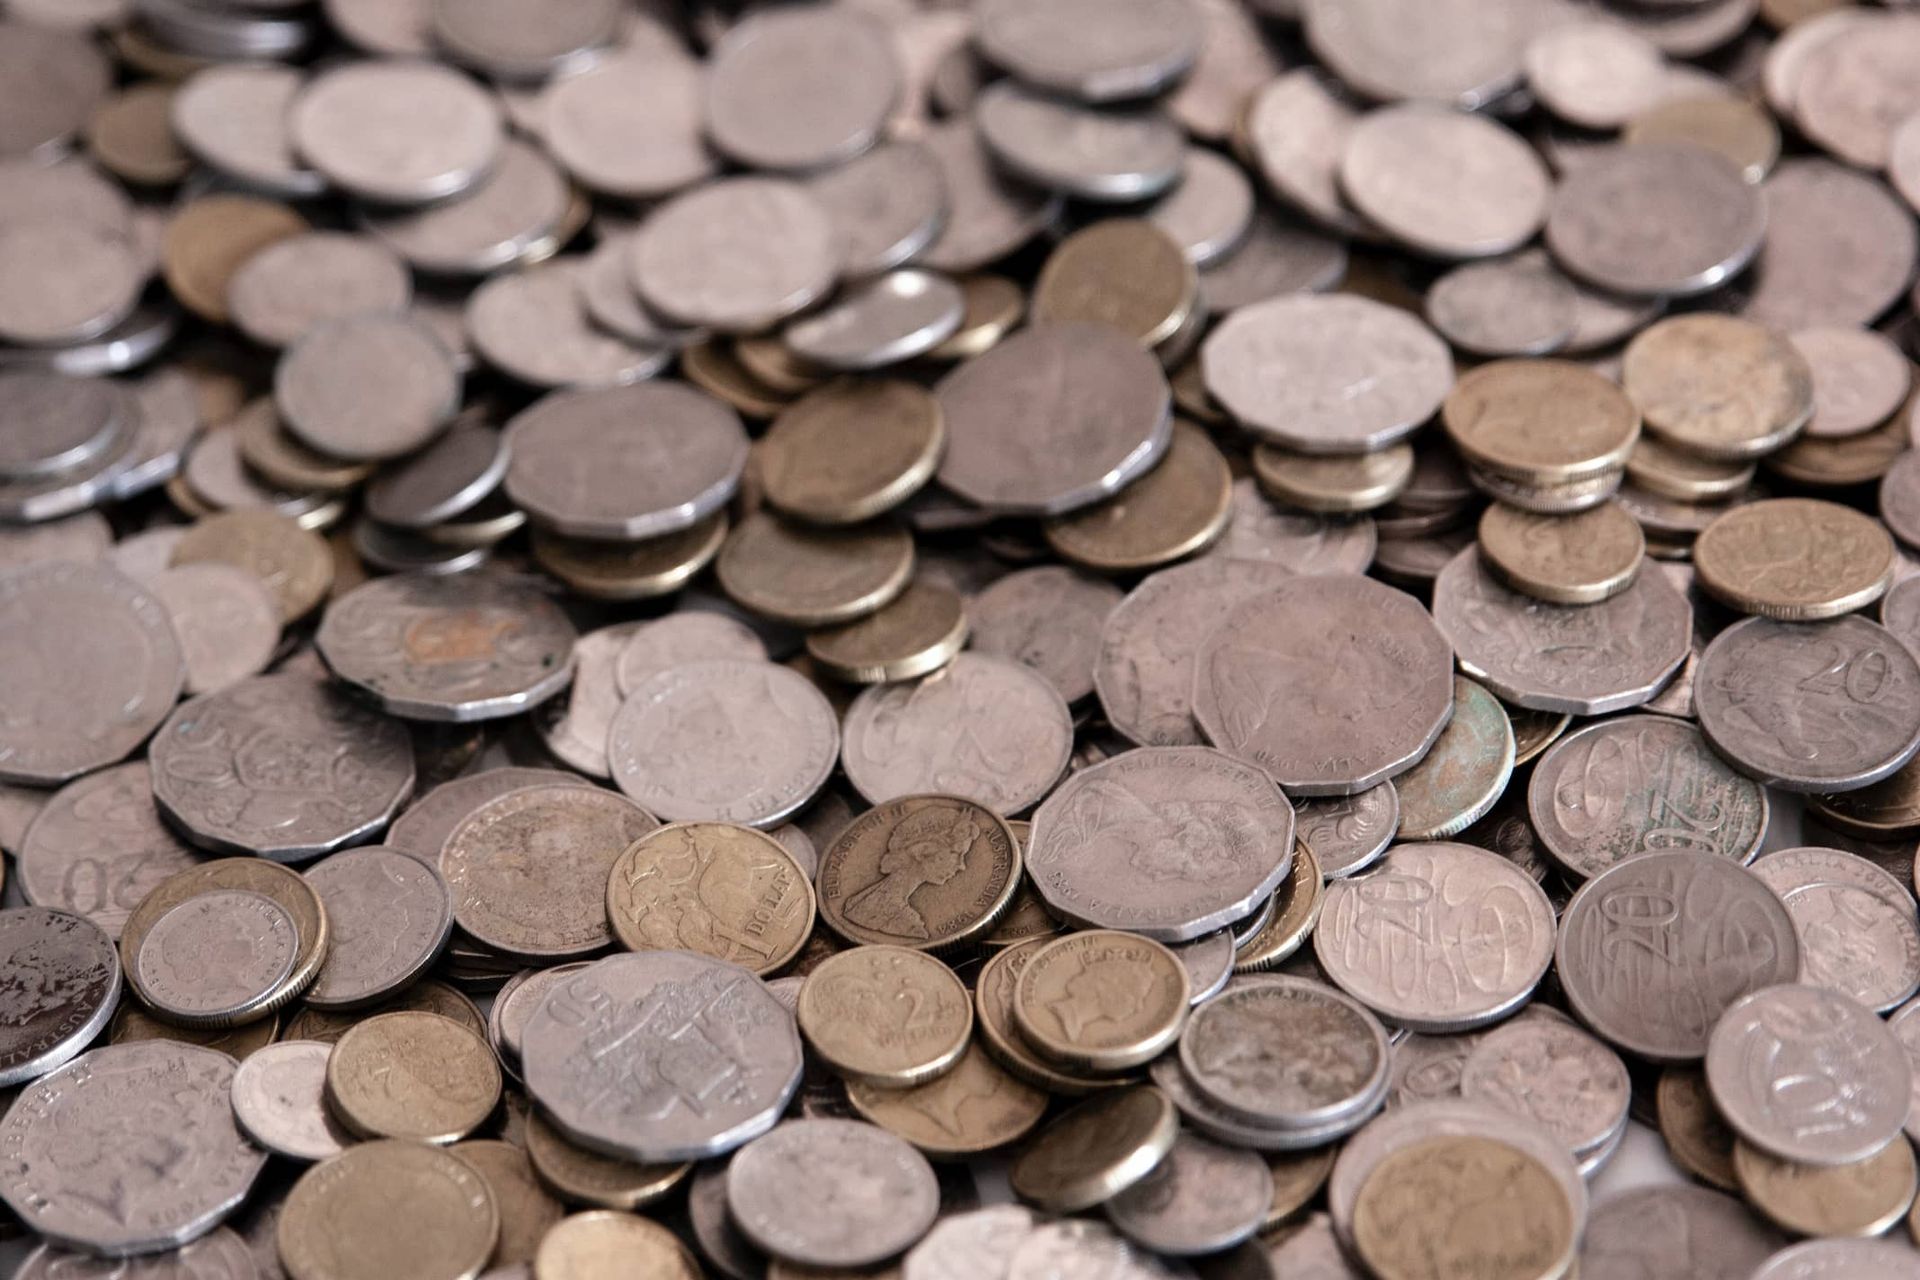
(1540, 422)
(170, 963)
(1048, 618)
(1576, 559)
(1334, 485)
(1179, 507)
(959, 1242)
(922, 871)
(1101, 1000)
(1145, 45)
(391, 915)
(601, 1244)
(292, 285)
(421, 1210)
(1554, 1074)
(918, 631)
(279, 1100)
(70, 979)
(1695, 204)
(1222, 1054)
(1096, 1151)
(1859, 1199)
(800, 90)
(1446, 183)
(1797, 559)
(1203, 1197)
(95, 847)
(831, 1193)
(989, 215)
(886, 205)
(1095, 154)
(1738, 129)
(518, 211)
(715, 889)
(1411, 1212)
(881, 322)
(1293, 539)
(412, 1075)
(1718, 386)
(736, 255)
(397, 132)
(886, 1016)
(1463, 773)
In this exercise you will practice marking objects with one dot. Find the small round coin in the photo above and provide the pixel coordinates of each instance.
(221, 957)
(1178, 508)
(69, 981)
(1095, 1151)
(391, 915)
(851, 450)
(1464, 773)
(1574, 559)
(927, 872)
(1718, 386)
(973, 1108)
(713, 888)
(831, 1193)
(279, 1098)
(1540, 421)
(1859, 1199)
(1797, 559)
(886, 1016)
(1101, 1000)
(602, 1244)
(412, 1075)
(1465, 1205)
(422, 1212)
(1202, 1198)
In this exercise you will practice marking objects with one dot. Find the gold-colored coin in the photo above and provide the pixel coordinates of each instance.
(1333, 485)
(1781, 14)
(1534, 731)
(1717, 385)
(1697, 1138)
(630, 570)
(602, 1244)
(713, 888)
(1462, 1206)
(1095, 1151)
(388, 1209)
(773, 362)
(1851, 460)
(854, 449)
(814, 577)
(918, 631)
(1658, 467)
(1796, 559)
(1190, 395)
(1859, 1199)
(993, 1018)
(1540, 422)
(1173, 511)
(412, 1075)
(1887, 810)
(992, 305)
(711, 366)
(525, 1206)
(1297, 1179)
(1726, 123)
(975, 1107)
(146, 55)
(267, 448)
(132, 1023)
(293, 562)
(888, 1016)
(927, 872)
(131, 135)
(1296, 910)
(1028, 917)
(1582, 558)
(579, 1176)
(1123, 273)
(1101, 1000)
(207, 240)
(307, 1023)
(285, 887)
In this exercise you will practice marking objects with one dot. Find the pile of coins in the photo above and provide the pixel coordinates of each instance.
(1014, 640)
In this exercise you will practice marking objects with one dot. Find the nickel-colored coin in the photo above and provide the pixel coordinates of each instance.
(220, 957)
(429, 996)
(1048, 618)
(927, 872)
(68, 979)
(678, 638)
(712, 888)
(1573, 559)
(1348, 833)
(279, 1099)
(736, 255)
(1096, 1151)
(1145, 45)
(290, 286)
(96, 847)
(412, 1075)
(423, 829)
(1840, 1257)
(831, 1193)
(960, 1242)
(227, 622)
(1857, 932)
(221, 1253)
(1693, 204)
(1203, 1197)
(391, 915)
(1515, 306)
(1410, 1216)
(1859, 1199)
(1803, 276)
(1226, 1053)
(887, 1016)
(1293, 538)
(1446, 183)
(366, 387)
(1797, 559)
(1465, 771)
(399, 132)
(1553, 1073)
(421, 1211)
(1101, 1000)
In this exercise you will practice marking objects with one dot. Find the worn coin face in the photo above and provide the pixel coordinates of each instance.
(226, 621)
(1677, 1230)
(279, 1099)
(1348, 833)
(919, 871)
(1797, 559)
(662, 1056)
(831, 1193)
(1445, 183)
(1095, 1151)
(96, 847)
(1412, 1212)
(1563, 559)
(851, 450)
(1101, 1000)
(1540, 421)
(1814, 1258)
(814, 577)
(1705, 932)
(692, 636)
(423, 829)
(399, 132)
(1098, 154)
(800, 90)
(1228, 1056)
(888, 1016)
(1168, 842)
(1465, 771)
(1203, 1197)
(1553, 1073)
(1857, 936)
(715, 889)
(1048, 618)
(391, 915)
(366, 387)
(602, 1243)
(974, 1107)
(528, 1211)
(293, 562)
(412, 1075)
(1293, 538)
(66, 978)
(589, 1178)
(1181, 506)
(1655, 219)
(1719, 386)
(736, 255)
(448, 1231)
(218, 957)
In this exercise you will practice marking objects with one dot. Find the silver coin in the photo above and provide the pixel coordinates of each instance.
(227, 622)
(1517, 306)
(721, 1244)
(223, 1255)
(1553, 1073)
(389, 915)
(1654, 949)
(83, 538)
(1640, 784)
(1839, 250)
(441, 482)
(886, 206)
(1427, 1068)
(93, 666)
(1332, 707)
(1675, 1233)
(423, 829)
(54, 79)
(63, 283)
(166, 1161)
(1808, 1075)
(575, 728)
(961, 1246)
(1842, 1260)
(1053, 418)
(1585, 659)
(629, 125)
(366, 387)
(1201, 1198)
(1860, 379)
(397, 551)
(1332, 374)
(290, 286)
(1296, 129)
(217, 957)
(662, 1056)
(279, 1099)
(1337, 1066)
(1855, 923)
(1437, 937)
(695, 635)
(989, 215)
(217, 475)
(1208, 960)
(724, 741)
(233, 119)
(1202, 1115)
(896, 317)
(1443, 182)
(514, 212)
(508, 42)
(1169, 842)
(50, 424)
(625, 462)
(1273, 257)
(1820, 707)
(1855, 86)
(475, 647)
(1596, 75)
(1098, 154)
(97, 846)
(1210, 213)
(533, 326)
(1657, 219)
(169, 419)
(601, 281)
(986, 729)
(1048, 618)
(64, 981)
(397, 132)
(737, 255)
(1235, 59)
(1460, 52)
(1305, 542)
(831, 1193)
(1312, 1249)
(1348, 833)
(800, 88)
(1098, 52)
(223, 777)
(1081, 1249)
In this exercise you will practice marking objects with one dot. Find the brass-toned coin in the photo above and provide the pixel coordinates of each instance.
(715, 889)
(631, 570)
(1095, 1151)
(1296, 910)
(927, 872)
(888, 1016)
(774, 363)
(993, 1019)
(975, 1107)
(1697, 1138)
(1887, 810)
(711, 366)
(1582, 558)
(1180, 507)
(1534, 731)
(525, 1206)
(1850, 460)
(1540, 422)
(993, 305)
(267, 448)
(1859, 1199)
(412, 1075)
(1717, 385)
(1101, 1000)
(854, 449)
(1028, 916)
(1335, 485)
(131, 136)
(131, 1023)
(207, 239)
(1463, 1205)
(1658, 467)
(814, 577)
(918, 631)
(307, 1023)
(388, 1209)
(602, 1244)
(1191, 397)
(1796, 559)
(293, 562)
(1730, 124)
(579, 1176)
(1297, 1179)
(1124, 273)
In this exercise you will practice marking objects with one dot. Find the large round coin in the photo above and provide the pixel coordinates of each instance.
(927, 872)
(832, 1193)
(1668, 1232)
(98, 845)
(1653, 950)
(1342, 1063)
(64, 980)
(281, 766)
(1437, 937)
(92, 666)
(1330, 684)
(1169, 842)
(662, 1056)
(391, 915)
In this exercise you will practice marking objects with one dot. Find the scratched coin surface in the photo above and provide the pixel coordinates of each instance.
(1857, 930)
(63, 977)
(889, 1016)
(1796, 559)
(1437, 937)
(831, 1193)
(976, 1106)
(1654, 949)
(1203, 1197)
(390, 915)
(279, 1099)
(713, 888)
(1464, 1205)
(1169, 842)
(920, 871)
(1553, 1073)
(98, 845)
(1337, 1065)
(1464, 772)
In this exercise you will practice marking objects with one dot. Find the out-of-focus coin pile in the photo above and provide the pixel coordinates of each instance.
(1037, 639)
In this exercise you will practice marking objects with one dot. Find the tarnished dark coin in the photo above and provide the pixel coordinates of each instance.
(68, 978)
